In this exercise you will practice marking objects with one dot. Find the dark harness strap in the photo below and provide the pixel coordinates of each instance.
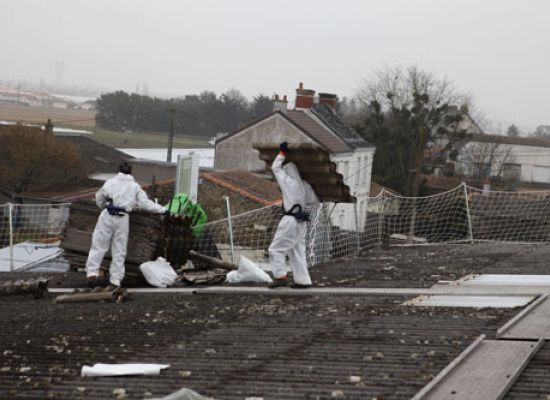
(297, 212)
(114, 210)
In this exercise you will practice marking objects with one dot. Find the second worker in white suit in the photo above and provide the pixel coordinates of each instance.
(290, 237)
(118, 197)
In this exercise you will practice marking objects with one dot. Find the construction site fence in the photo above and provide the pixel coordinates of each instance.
(39, 225)
(464, 214)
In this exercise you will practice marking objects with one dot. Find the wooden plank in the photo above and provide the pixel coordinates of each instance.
(485, 372)
(531, 324)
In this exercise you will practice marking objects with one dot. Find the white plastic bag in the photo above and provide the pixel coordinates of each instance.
(248, 272)
(158, 273)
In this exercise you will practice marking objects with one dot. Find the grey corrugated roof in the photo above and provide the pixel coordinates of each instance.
(515, 140)
(319, 133)
(329, 117)
(102, 157)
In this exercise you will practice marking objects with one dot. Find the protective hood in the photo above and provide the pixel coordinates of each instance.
(292, 170)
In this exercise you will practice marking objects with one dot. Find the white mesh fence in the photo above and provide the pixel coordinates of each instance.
(460, 215)
(463, 214)
(509, 216)
(25, 228)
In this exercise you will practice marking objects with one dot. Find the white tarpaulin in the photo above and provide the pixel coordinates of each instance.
(122, 369)
(26, 255)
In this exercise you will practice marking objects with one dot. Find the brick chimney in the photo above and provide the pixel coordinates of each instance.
(304, 97)
(329, 99)
(280, 104)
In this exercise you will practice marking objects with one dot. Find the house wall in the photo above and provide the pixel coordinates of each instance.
(237, 152)
(534, 161)
(356, 168)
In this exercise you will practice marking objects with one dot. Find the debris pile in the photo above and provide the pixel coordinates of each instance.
(36, 286)
(151, 236)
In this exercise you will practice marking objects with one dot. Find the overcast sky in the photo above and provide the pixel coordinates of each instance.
(498, 50)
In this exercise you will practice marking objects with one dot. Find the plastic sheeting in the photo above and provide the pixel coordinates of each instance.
(27, 255)
(122, 369)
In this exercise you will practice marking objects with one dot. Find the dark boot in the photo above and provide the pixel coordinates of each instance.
(278, 282)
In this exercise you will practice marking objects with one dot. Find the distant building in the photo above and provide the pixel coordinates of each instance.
(310, 122)
(507, 158)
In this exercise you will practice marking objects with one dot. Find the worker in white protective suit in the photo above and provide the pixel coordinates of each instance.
(117, 198)
(290, 237)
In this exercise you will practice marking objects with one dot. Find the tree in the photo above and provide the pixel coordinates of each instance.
(413, 119)
(261, 106)
(30, 159)
(542, 131)
(483, 160)
(512, 130)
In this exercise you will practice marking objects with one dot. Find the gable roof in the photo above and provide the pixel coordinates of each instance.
(321, 124)
(102, 157)
(331, 119)
(246, 184)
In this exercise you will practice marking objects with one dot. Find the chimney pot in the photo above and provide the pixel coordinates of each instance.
(280, 104)
(329, 99)
(304, 97)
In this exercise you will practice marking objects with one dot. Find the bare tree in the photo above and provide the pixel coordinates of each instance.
(486, 160)
(403, 83)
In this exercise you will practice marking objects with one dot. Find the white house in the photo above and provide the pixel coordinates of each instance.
(520, 159)
(310, 122)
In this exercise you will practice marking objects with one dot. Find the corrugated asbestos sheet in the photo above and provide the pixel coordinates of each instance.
(315, 167)
(234, 347)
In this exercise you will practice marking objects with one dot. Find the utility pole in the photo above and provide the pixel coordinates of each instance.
(172, 112)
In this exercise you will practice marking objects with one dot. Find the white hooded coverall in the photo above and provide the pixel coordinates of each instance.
(112, 230)
(290, 237)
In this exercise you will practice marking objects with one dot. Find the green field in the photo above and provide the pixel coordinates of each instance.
(80, 119)
(140, 140)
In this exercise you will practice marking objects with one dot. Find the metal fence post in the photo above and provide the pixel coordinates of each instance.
(230, 227)
(10, 208)
(470, 230)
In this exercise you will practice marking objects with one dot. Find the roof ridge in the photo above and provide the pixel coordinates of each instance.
(211, 177)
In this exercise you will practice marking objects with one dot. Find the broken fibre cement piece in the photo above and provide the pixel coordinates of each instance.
(122, 369)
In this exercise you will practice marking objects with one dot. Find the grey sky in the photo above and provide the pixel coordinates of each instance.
(498, 50)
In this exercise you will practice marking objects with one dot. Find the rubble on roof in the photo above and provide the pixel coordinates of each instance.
(315, 167)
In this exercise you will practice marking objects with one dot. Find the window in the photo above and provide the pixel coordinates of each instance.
(365, 170)
(482, 170)
(511, 171)
(541, 174)
(345, 172)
